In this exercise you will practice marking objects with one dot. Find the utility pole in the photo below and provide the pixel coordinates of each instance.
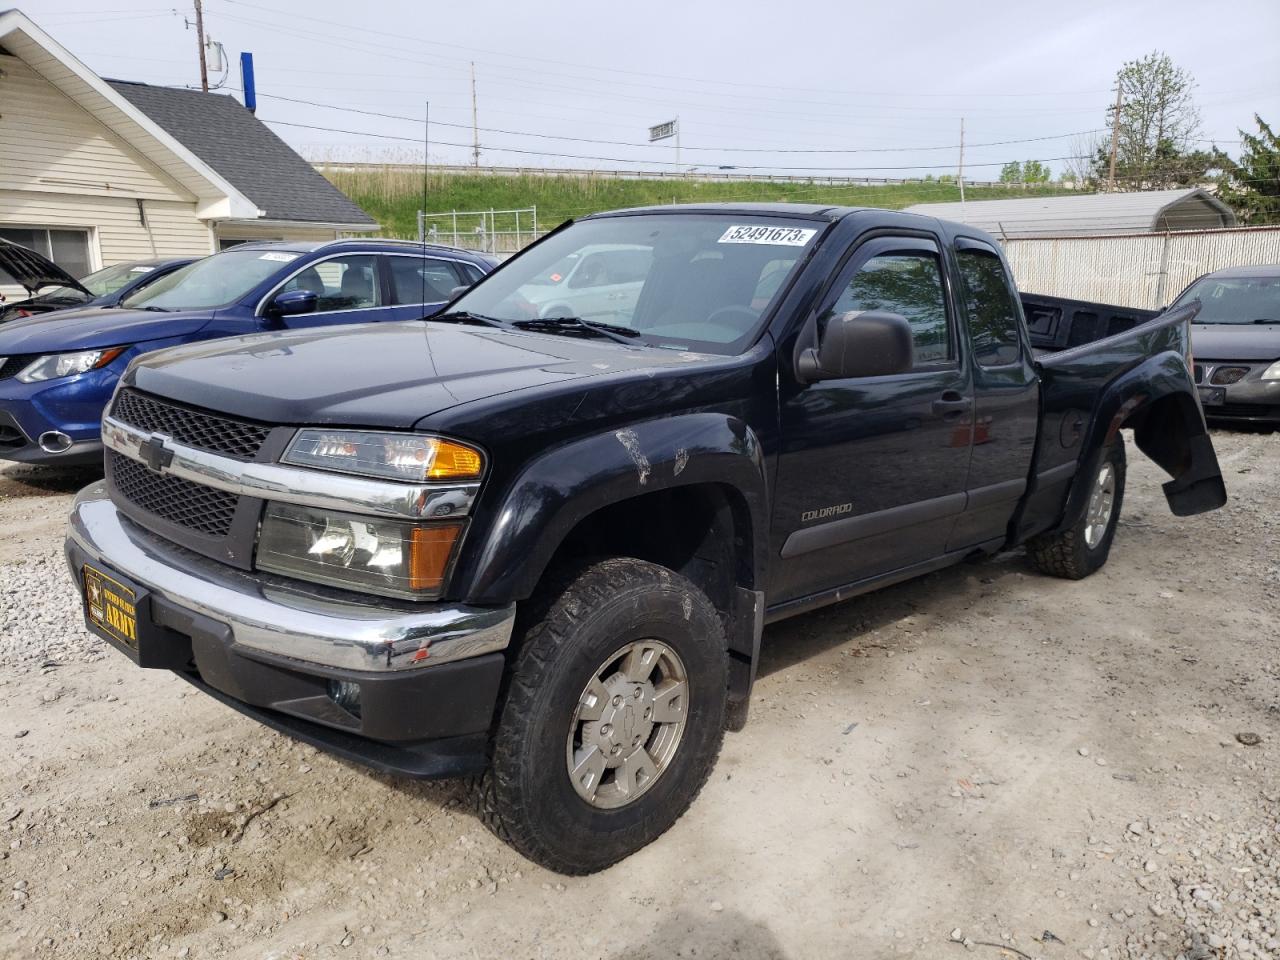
(677, 143)
(960, 174)
(475, 129)
(204, 67)
(1115, 136)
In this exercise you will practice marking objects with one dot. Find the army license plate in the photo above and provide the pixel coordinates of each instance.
(111, 608)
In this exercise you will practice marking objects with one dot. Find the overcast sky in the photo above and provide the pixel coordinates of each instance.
(880, 80)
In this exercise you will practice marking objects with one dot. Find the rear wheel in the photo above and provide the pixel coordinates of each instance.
(1083, 548)
(613, 719)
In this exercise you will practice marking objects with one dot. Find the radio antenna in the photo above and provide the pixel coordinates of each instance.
(422, 214)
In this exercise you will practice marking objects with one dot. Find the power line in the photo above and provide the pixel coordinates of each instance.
(259, 7)
(381, 51)
(665, 163)
(626, 143)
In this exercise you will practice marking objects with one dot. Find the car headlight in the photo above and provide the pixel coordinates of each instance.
(54, 365)
(1272, 372)
(392, 557)
(396, 456)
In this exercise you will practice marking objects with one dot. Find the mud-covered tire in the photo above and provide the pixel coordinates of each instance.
(526, 795)
(1070, 554)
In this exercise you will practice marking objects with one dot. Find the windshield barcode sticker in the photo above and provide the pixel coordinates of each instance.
(141, 269)
(280, 257)
(777, 236)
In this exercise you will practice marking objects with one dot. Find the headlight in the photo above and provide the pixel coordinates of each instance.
(1272, 372)
(54, 365)
(398, 456)
(391, 557)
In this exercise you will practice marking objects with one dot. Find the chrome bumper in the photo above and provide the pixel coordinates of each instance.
(271, 616)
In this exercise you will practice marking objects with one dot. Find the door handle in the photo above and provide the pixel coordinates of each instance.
(952, 404)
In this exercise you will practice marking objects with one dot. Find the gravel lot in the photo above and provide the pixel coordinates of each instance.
(983, 761)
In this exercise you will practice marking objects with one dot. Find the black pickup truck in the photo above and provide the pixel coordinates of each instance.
(536, 539)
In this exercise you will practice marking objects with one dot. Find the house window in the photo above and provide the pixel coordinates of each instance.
(69, 249)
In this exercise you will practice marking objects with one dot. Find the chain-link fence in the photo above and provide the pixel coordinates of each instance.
(488, 231)
(1136, 270)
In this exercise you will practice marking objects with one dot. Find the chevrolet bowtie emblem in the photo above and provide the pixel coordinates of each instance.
(155, 454)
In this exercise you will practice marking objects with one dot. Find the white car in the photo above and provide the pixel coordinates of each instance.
(600, 282)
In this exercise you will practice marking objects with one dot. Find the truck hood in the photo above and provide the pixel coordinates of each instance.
(33, 271)
(381, 375)
(95, 327)
(1235, 341)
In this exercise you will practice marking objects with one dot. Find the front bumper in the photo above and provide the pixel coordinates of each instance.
(428, 674)
(69, 405)
(1248, 400)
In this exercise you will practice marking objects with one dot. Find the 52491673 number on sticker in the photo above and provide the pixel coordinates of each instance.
(776, 236)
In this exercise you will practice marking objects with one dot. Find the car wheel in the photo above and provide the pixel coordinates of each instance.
(613, 718)
(1083, 548)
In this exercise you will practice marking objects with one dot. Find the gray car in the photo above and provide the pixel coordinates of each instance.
(1236, 342)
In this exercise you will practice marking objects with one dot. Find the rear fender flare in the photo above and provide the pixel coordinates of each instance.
(1157, 399)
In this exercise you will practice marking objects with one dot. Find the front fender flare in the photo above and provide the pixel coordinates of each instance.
(566, 484)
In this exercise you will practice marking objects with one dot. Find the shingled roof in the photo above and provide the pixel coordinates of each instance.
(244, 151)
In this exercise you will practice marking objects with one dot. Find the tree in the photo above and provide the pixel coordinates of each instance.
(1033, 171)
(1155, 128)
(1251, 185)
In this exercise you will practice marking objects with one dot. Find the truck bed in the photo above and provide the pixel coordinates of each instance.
(1058, 323)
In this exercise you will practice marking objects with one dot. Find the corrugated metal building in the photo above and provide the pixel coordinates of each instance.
(1091, 214)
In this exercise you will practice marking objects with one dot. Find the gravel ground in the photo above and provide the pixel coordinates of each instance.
(983, 761)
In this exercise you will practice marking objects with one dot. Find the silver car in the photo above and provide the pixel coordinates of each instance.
(599, 282)
(1236, 343)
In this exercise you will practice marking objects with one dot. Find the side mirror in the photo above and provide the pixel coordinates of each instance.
(456, 292)
(293, 303)
(871, 343)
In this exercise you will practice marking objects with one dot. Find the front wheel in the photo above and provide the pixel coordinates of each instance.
(613, 719)
(1081, 549)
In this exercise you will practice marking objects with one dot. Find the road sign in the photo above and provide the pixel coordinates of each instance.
(663, 131)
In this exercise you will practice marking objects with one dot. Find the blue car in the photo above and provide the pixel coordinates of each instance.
(51, 288)
(57, 373)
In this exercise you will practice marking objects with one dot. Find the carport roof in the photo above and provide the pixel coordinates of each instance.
(1080, 214)
(240, 147)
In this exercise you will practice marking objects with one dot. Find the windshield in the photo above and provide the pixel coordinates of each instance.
(104, 281)
(683, 281)
(212, 282)
(1235, 299)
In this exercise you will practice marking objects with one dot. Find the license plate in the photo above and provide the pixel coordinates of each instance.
(111, 608)
(1213, 396)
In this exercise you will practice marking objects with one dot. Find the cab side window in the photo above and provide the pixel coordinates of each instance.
(340, 283)
(419, 280)
(907, 283)
(991, 309)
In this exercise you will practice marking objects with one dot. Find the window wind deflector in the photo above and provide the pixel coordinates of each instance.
(609, 330)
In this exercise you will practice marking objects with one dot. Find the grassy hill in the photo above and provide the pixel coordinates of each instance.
(393, 195)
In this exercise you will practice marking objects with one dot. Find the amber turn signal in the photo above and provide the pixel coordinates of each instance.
(430, 549)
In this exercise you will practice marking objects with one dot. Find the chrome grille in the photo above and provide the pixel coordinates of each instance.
(192, 505)
(240, 439)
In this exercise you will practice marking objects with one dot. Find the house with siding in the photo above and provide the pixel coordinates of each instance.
(95, 172)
